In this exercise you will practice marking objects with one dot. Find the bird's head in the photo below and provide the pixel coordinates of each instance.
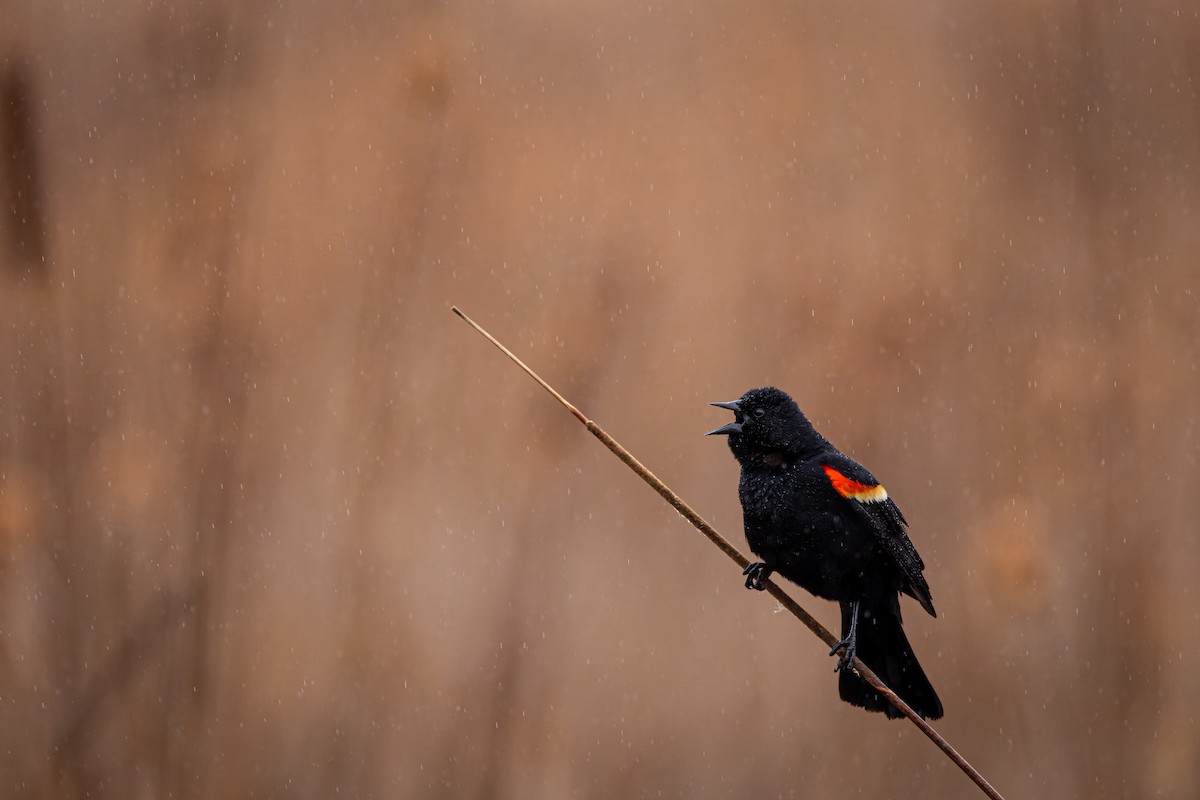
(766, 421)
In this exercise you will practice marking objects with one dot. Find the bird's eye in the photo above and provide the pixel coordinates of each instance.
(759, 412)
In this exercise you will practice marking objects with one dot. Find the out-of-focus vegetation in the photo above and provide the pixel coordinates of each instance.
(273, 523)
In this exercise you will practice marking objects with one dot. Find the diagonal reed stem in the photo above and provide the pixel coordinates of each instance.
(720, 541)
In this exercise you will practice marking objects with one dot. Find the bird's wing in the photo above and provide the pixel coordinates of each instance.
(870, 500)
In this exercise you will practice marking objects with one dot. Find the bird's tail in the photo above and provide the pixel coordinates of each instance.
(884, 648)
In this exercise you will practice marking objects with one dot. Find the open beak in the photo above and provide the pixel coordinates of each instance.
(732, 427)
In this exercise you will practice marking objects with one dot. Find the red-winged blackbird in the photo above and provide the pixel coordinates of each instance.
(820, 519)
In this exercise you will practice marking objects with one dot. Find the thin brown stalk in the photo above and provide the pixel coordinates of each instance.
(724, 544)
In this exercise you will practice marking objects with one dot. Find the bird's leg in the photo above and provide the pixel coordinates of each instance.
(756, 575)
(848, 645)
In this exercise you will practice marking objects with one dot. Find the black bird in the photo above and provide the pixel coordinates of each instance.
(820, 519)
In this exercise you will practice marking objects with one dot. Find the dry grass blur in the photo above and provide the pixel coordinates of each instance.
(273, 523)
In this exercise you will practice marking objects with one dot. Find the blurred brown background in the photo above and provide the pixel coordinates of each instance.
(273, 523)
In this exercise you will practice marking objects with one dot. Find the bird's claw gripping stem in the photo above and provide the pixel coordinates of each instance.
(847, 649)
(849, 645)
(756, 575)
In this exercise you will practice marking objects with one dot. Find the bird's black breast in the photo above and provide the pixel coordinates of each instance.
(803, 529)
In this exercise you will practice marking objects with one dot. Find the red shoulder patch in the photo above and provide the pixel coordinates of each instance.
(852, 489)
